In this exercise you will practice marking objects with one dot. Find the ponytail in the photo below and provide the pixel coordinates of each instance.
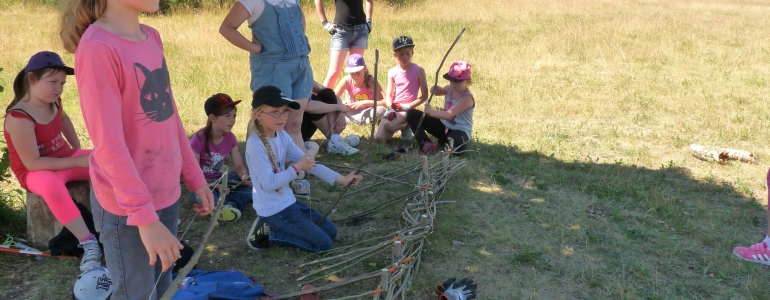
(256, 127)
(75, 19)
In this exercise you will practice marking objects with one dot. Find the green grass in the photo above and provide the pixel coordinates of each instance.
(582, 187)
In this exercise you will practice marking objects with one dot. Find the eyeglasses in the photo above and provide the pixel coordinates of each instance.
(277, 115)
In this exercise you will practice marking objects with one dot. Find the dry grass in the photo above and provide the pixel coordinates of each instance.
(583, 188)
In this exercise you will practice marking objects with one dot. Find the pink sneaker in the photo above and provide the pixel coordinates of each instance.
(757, 253)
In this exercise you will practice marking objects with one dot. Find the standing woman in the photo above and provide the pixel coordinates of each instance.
(350, 31)
(278, 51)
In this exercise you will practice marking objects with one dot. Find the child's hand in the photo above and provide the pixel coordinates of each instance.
(246, 179)
(428, 109)
(350, 178)
(306, 163)
(359, 105)
(342, 107)
(207, 201)
(82, 161)
(159, 242)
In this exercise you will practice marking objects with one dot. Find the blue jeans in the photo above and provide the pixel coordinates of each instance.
(296, 226)
(350, 37)
(238, 198)
(127, 260)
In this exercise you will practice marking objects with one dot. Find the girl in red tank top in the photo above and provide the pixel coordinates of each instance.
(43, 147)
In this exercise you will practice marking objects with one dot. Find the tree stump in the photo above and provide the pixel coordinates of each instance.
(42, 226)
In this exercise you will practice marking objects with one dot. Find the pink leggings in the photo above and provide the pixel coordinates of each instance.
(50, 185)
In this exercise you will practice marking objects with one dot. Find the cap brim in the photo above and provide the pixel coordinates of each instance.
(227, 105)
(450, 78)
(353, 69)
(68, 70)
(284, 101)
(402, 46)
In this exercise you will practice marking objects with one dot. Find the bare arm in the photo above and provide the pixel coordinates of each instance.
(229, 29)
(380, 92)
(440, 90)
(341, 86)
(368, 8)
(464, 103)
(389, 91)
(318, 107)
(69, 131)
(423, 89)
(240, 168)
(319, 8)
(22, 134)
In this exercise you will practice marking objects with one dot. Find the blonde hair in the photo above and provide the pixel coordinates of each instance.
(256, 127)
(75, 19)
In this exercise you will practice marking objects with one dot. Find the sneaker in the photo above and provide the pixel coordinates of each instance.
(340, 148)
(259, 235)
(429, 147)
(92, 254)
(352, 140)
(757, 253)
(300, 186)
(406, 133)
(229, 214)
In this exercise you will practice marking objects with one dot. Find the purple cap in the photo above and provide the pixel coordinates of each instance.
(47, 59)
(355, 63)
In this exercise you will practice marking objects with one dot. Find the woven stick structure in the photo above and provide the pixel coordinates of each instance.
(404, 247)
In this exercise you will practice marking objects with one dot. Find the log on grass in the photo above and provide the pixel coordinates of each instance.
(721, 155)
(42, 226)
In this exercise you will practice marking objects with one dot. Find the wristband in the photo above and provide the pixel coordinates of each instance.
(405, 106)
(295, 170)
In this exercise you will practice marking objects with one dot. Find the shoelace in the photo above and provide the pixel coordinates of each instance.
(92, 251)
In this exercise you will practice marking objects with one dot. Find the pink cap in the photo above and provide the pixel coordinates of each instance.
(458, 71)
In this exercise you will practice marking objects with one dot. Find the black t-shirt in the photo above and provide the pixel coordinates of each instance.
(349, 12)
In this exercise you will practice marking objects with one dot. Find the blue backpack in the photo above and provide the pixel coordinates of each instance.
(232, 285)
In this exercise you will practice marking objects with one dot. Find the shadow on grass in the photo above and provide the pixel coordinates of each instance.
(523, 225)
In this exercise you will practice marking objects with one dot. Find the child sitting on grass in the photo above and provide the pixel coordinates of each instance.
(455, 121)
(359, 87)
(211, 146)
(404, 81)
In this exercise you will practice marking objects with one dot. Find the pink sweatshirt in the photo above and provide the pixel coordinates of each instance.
(140, 147)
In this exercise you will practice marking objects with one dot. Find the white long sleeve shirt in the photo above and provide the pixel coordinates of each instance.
(267, 201)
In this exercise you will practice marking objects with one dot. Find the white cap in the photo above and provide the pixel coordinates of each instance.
(94, 284)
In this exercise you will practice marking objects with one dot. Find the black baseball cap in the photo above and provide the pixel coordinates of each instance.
(217, 102)
(47, 59)
(273, 97)
(402, 41)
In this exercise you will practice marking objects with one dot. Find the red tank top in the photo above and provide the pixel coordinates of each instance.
(50, 141)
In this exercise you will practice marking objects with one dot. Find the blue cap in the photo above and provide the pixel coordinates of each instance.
(47, 59)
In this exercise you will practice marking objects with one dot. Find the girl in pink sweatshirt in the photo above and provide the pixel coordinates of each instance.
(140, 146)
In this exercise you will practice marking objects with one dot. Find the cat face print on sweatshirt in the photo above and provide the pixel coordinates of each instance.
(155, 93)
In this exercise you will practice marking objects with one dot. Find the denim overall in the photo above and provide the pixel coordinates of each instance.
(283, 61)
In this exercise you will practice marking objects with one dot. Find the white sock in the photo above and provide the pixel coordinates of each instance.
(767, 242)
(335, 138)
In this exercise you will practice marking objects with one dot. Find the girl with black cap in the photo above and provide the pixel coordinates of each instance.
(290, 222)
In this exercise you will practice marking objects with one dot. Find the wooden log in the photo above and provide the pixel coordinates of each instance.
(721, 155)
(42, 226)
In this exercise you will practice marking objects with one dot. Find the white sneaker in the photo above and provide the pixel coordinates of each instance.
(352, 140)
(340, 148)
(406, 133)
(92, 255)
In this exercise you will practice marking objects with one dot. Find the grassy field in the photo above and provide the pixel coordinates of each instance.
(582, 187)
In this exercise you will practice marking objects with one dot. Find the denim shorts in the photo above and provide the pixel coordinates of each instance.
(293, 77)
(350, 37)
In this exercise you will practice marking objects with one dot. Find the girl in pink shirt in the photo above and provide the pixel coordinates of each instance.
(404, 81)
(140, 146)
(359, 87)
(42, 160)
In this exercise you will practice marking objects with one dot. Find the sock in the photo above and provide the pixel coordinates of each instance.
(86, 239)
(335, 138)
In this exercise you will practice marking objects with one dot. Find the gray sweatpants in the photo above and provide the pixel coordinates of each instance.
(127, 260)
